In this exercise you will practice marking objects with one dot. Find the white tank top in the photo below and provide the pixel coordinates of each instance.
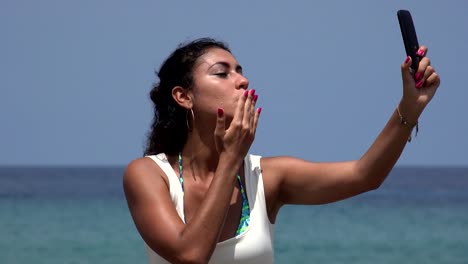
(255, 245)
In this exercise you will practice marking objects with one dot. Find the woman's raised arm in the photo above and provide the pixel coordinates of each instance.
(295, 181)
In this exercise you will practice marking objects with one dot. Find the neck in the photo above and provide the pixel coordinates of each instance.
(199, 154)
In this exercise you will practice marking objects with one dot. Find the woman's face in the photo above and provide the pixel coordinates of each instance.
(218, 83)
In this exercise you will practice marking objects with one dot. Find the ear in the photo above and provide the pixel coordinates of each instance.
(182, 97)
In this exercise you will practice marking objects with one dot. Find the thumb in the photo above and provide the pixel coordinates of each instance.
(220, 130)
(406, 72)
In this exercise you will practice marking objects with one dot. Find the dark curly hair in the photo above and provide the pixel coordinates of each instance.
(169, 130)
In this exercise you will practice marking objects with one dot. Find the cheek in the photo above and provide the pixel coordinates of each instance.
(230, 106)
(211, 103)
(227, 104)
(211, 98)
(217, 102)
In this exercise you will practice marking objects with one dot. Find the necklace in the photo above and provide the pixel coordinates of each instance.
(245, 214)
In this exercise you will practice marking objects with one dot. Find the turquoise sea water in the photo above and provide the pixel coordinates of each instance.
(79, 215)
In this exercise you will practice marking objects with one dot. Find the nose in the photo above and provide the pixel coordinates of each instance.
(242, 82)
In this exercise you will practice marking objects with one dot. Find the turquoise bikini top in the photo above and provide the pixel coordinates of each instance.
(245, 215)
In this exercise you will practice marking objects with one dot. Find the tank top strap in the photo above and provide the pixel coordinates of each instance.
(253, 179)
(175, 190)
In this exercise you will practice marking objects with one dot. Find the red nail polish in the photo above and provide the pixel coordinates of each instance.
(407, 59)
(259, 110)
(220, 112)
(420, 52)
(419, 84)
(418, 76)
(246, 93)
(252, 92)
(255, 98)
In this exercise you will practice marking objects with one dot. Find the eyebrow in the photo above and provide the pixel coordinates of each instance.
(225, 64)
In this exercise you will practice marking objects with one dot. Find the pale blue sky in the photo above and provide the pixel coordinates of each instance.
(75, 75)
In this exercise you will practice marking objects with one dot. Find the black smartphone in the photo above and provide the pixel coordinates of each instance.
(410, 39)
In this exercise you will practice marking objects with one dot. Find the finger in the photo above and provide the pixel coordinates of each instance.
(421, 73)
(252, 111)
(422, 51)
(406, 72)
(239, 113)
(220, 129)
(256, 117)
(423, 64)
(432, 81)
(428, 72)
(220, 123)
(248, 108)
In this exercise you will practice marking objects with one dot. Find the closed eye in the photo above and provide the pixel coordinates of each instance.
(221, 74)
(224, 69)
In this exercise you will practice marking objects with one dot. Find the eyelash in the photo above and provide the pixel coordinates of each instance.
(222, 74)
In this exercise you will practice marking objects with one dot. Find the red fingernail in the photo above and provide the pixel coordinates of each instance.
(252, 92)
(420, 52)
(246, 93)
(418, 76)
(407, 59)
(259, 110)
(220, 112)
(255, 98)
(419, 84)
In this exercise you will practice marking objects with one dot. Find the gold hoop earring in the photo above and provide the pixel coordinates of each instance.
(187, 119)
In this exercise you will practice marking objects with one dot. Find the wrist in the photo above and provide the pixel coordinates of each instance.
(410, 111)
(404, 121)
(229, 160)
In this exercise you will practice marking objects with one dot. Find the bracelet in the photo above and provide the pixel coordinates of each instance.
(404, 122)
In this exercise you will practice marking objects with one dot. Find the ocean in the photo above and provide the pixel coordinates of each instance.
(79, 215)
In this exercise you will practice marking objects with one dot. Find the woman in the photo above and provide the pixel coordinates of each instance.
(198, 196)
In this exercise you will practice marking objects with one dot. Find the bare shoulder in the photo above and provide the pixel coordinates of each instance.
(142, 174)
(148, 197)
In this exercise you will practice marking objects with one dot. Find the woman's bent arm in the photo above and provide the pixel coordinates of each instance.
(157, 221)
